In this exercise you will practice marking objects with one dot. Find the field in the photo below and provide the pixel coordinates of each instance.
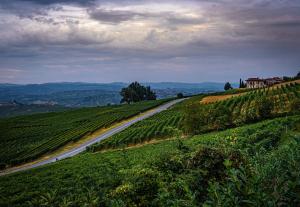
(243, 91)
(245, 166)
(25, 138)
(163, 125)
(241, 151)
(238, 110)
(212, 99)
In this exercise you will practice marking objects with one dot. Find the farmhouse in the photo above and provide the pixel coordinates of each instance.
(255, 83)
(272, 81)
(260, 83)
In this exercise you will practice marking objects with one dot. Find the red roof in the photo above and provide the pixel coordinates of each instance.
(254, 79)
(267, 79)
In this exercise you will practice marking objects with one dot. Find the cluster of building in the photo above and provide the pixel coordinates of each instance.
(261, 83)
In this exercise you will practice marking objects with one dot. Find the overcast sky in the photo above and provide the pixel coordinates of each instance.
(165, 40)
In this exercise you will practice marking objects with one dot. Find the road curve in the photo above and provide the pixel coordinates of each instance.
(82, 147)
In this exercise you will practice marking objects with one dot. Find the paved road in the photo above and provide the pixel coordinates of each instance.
(82, 147)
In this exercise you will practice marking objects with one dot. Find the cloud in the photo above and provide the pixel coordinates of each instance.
(128, 35)
(111, 16)
(49, 2)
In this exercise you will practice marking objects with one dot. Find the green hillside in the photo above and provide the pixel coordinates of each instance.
(253, 106)
(163, 125)
(252, 165)
(24, 138)
(241, 151)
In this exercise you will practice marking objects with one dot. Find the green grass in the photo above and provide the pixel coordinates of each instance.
(25, 138)
(245, 166)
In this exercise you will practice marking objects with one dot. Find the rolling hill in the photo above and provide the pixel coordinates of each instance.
(25, 138)
(238, 151)
(92, 94)
(236, 167)
(236, 111)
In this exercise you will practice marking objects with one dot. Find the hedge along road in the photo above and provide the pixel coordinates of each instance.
(76, 150)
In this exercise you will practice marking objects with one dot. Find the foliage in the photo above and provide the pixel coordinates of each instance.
(242, 84)
(136, 92)
(296, 77)
(227, 86)
(180, 95)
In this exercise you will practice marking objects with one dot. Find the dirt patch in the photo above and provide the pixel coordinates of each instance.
(212, 99)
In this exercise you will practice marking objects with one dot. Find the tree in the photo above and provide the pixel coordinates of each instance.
(227, 86)
(286, 78)
(135, 92)
(242, 84)
(150, 95)
(180, 95)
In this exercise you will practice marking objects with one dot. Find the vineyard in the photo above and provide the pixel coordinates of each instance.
(235, 111)
(25, 138)
(244, 166)
(281, 98)
(159, 126)
(165, 124)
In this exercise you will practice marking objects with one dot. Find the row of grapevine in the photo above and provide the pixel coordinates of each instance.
(244, 108)
(27, 137)
(159, 126)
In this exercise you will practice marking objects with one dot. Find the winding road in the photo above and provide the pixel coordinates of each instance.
(76, 150)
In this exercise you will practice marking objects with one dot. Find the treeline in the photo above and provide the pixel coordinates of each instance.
(287, 78)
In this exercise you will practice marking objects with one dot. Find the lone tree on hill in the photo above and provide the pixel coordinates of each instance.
(227, 86)
(135, 92)
(180, 95)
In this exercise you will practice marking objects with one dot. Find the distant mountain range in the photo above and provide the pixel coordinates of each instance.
(76, 94)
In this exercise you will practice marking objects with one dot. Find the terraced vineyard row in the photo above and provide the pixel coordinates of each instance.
(231, 112)
(161, 125)
(250, 107)
(281, 96)
(165, 124)
(27, 137)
